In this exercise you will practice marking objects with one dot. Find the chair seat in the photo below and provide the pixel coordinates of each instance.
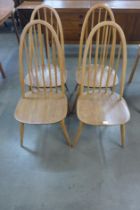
(89, 75)
(47, 79)
(100, 108)
(39, 109)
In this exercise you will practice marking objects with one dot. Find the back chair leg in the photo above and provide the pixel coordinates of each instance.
(2, 71)
(75, 100)
(123, 135)
(69, 110)
(15, 27)
(78, 134)
(134, 67)
(21, 133)
(29, 88)
(75, 89)
(65, 132)
(67, 89)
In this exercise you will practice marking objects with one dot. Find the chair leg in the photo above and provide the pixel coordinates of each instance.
(67, 89)
(78, 134)
(134, 68)
(75, 101)
(17, 18)
(65, 132)
(29, 88)
(21, 133)
(73, 91)
(69, 110)
(123, 135)
(15, 27)
(2, 71)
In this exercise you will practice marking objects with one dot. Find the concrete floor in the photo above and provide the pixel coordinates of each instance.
(46, 174)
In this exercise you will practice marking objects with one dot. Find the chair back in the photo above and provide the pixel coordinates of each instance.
(98, 13)
(106, 59)
(43, 69)
(50, 15)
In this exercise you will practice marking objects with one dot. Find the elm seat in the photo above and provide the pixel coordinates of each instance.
(100, 108)
(89, 75)
(40, 109)
(37, 80)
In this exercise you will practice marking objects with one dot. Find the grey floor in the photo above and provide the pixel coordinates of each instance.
(96, 175)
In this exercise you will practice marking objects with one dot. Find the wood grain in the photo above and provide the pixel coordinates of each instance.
(102, 109)
(37, 109)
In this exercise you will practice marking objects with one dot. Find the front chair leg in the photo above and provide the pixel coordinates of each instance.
(123, 135)
(78, 133)
(65, 132)
(21, 133)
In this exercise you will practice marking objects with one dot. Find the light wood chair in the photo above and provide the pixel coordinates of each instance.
(50, 15)
(96, 14)
(41, 105)
(104, 106)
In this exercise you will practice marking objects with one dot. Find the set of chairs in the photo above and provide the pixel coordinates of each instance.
(100, 74)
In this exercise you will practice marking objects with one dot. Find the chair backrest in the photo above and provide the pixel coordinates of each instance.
(106, 59)
(41, 67)
(98, 13)
(50, 15)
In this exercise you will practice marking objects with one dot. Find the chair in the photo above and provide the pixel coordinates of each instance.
(49, 14)
(96, 14)
(41, 105)
(104, 106)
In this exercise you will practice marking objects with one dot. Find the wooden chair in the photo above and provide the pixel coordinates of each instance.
(104, 106)
(50, 15)
(41, 105)
(96, 14)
